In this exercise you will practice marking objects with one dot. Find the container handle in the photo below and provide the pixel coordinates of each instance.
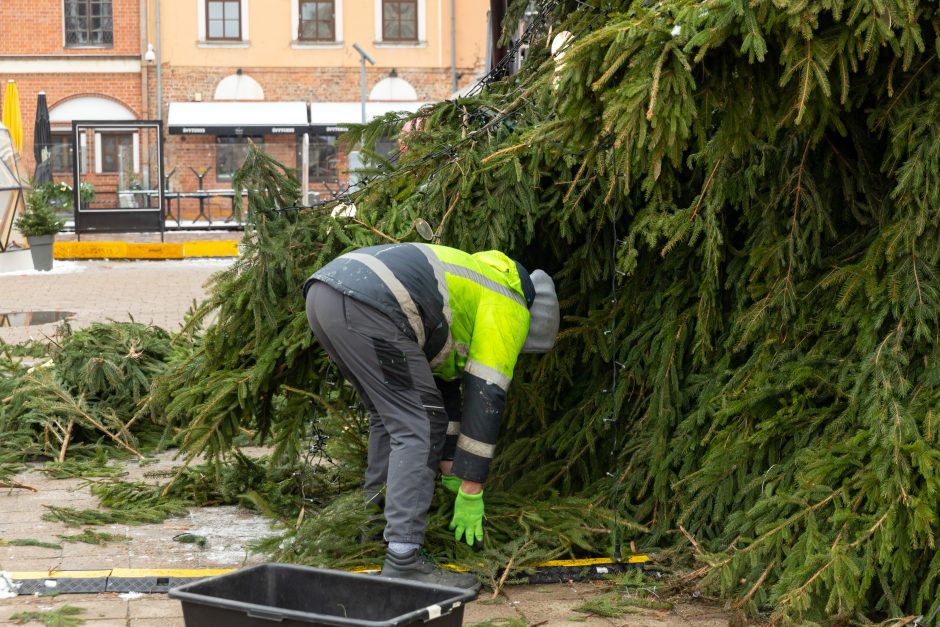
(277, 618)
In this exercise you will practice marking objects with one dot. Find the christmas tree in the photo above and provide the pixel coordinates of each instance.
(738, 202)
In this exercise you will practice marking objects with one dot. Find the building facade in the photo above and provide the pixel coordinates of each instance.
(86, 56)
(255, 53)
(219, 73)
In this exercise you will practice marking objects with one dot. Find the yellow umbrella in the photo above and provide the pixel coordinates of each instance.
(12, 118)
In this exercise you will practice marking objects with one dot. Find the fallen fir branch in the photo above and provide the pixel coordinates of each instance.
(31, 542)
(89, 536)
(63, 616)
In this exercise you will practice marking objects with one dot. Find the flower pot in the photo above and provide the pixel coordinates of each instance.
(40, 247)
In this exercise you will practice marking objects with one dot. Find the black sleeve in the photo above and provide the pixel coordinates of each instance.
(450, 392)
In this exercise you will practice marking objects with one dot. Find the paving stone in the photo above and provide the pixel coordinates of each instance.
(97, 607)
(20, 517)
(154, 606)
(99, 562)
(485, 609)
(29, 501)
(17, 554)
(32, 564)
(553, 603)
(157, 622)
(99, 290)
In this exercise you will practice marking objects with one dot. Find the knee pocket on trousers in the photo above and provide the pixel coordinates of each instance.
(394, 364)
(437, 417)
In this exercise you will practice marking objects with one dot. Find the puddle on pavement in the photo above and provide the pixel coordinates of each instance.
(32, 318)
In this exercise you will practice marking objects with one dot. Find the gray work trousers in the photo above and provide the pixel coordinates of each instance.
(408, 423)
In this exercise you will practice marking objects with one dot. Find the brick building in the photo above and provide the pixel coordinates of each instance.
(221, 72)
(86, 56)
(252, 54)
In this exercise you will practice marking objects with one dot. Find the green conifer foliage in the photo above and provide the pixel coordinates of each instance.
(84, 390)
(759, 180)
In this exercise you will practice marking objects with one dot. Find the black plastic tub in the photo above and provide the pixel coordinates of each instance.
(284, 595)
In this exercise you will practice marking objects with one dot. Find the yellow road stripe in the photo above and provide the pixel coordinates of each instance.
(597, 561)
(138, 573)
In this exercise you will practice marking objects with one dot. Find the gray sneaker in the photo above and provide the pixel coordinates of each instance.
(416, 566)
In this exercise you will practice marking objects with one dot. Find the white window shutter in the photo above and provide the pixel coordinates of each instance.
(98, 153)
(136, 152)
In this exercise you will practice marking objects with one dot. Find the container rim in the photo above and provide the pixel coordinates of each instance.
(426, 613)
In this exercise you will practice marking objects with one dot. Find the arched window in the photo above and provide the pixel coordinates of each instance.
(238, 86)
(395, 89)
(110, 146)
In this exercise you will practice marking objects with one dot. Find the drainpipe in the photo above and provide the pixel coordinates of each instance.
(159, 66)
(305, 172)
(453, 46)
(144, 79)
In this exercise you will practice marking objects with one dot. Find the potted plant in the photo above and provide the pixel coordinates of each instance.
(60, 197)
(39, 225)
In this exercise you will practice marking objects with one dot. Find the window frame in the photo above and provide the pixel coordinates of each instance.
(241, 22)
(231, 141)
(66, 147)
(300, 23)
(113, 136)
(417, 22)
(333, 177)
(87, 25)
(82, 155)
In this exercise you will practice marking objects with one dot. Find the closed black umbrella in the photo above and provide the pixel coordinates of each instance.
(42, 142)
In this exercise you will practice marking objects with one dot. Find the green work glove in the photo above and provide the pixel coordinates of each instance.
(451, 482)
(468, 517)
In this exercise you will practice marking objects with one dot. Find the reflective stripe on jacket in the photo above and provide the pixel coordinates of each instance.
(467, 314)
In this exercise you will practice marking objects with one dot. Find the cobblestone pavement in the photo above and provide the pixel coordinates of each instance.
(153, 292)
(160, 292)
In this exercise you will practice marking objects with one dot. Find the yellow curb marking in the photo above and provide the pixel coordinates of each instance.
(154, 251)
(131, 250)
(138, 573)
(599, 561)
(89, 250)
(222, 248)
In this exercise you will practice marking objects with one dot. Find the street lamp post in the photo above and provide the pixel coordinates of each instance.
(363, 57)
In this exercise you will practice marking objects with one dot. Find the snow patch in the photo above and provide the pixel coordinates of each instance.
(228, 530)
(58, 267)
(7, 587)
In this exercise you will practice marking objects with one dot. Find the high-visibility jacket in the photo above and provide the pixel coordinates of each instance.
(469, 315)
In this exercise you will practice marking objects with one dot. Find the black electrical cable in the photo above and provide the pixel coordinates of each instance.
(615, 410)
